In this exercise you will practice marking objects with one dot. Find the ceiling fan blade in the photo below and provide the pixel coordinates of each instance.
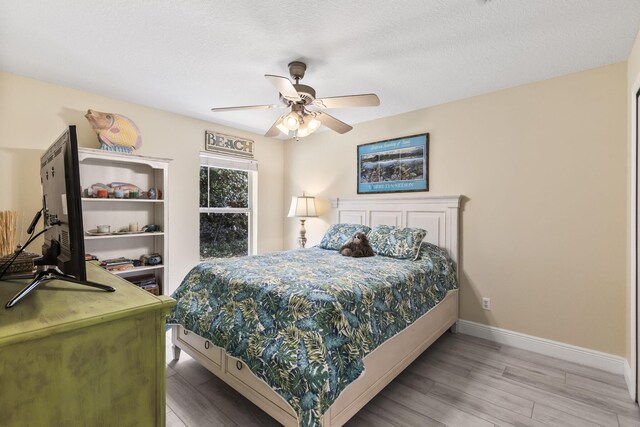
(332, 123)
(273, 130)
(246, 107)
(284, 86)
(364, 100)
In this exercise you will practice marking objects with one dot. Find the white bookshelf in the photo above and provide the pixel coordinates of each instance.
(99, 166)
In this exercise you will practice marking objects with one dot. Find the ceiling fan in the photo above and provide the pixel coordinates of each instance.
(302, 120)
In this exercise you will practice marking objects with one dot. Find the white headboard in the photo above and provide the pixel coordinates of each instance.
(436, 214)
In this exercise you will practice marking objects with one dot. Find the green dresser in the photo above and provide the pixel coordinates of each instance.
(76, 356)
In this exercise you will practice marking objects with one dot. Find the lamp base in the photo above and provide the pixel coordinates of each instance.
(302, 240)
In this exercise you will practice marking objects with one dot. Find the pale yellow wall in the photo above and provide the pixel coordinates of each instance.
(543, 167)
(34, 113)
(20, 178)
(633, 77)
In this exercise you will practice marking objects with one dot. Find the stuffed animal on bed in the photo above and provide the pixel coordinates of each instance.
(357, 246)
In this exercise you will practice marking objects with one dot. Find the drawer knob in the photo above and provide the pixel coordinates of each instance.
(207, 344)
(185, 331)
(238, 365)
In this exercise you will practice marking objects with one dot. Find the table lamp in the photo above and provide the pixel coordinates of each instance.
(302, 207)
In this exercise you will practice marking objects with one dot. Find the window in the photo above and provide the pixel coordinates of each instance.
(227, 217)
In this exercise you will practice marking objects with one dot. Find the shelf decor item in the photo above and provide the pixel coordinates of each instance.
(120, 190)
(115, 132)
(228, 144)
(394, 166)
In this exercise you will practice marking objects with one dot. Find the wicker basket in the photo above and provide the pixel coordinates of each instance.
(22, 264)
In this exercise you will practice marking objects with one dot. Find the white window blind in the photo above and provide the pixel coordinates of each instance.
(226, 162)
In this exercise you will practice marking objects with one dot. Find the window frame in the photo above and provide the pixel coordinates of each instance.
(247, 165)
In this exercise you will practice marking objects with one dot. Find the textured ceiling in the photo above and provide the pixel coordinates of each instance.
(188, 56)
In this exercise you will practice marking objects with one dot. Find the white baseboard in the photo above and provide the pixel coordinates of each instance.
(571, 353)
(629, 379)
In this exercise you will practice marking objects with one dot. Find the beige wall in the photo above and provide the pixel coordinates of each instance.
(633, 78)
(20, 176)
(34, 113)
(543, 168)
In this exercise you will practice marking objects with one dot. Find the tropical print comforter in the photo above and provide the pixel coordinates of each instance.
(303, 320)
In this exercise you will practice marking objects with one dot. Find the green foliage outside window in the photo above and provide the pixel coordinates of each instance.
(223, 235)
(227, 188)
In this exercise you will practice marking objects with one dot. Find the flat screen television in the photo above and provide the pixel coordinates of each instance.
(62, 207)
(63, 255)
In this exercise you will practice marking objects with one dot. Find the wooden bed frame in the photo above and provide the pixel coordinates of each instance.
(439, 216)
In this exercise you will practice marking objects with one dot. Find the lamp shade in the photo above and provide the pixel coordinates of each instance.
(302, 206)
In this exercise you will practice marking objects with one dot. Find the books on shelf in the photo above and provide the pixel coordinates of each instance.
(148, 282)
(117, 264)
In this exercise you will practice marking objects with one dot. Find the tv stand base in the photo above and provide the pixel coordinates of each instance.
(53, 274)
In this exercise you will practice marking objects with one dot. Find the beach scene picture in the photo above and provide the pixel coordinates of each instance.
(395, 165)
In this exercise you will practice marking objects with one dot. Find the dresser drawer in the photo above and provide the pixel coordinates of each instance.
(201, 345)
(239, 370)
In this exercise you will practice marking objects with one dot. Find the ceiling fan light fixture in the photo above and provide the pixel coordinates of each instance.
(312, 123)
(282, 129)
(303, 131)
(291, 121)
(309, 125)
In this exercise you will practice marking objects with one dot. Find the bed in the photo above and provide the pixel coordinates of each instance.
(310, 336)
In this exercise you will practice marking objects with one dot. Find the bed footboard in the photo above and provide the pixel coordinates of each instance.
(381, 366)
(235, 373)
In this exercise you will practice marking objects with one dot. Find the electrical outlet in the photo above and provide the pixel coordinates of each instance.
(486, 303)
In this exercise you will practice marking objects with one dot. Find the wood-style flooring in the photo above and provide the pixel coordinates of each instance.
(459, 381)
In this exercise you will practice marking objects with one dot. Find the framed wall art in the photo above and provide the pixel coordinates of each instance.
(394, 166)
